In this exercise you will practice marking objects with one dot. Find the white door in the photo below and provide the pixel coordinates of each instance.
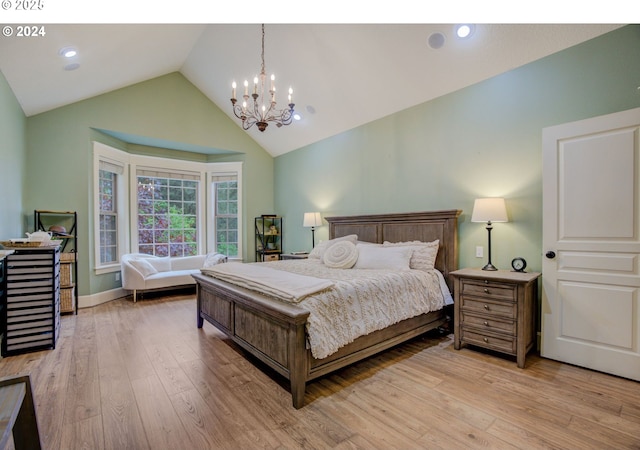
(591, 243)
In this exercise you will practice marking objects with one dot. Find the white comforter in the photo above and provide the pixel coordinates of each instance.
(360, 301)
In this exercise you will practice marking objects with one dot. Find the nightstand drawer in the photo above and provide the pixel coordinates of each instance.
(489, 289)
(496, 308)
(488, 323)
(504, 343)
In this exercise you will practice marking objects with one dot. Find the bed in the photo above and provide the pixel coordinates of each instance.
(274, 331)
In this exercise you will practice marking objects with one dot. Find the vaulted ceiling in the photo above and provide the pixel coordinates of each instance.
(343, 75)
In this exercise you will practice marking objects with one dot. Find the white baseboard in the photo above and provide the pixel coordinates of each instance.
(89, 301)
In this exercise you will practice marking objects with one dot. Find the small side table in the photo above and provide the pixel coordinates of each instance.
(294, 256)
(496, 310)
(18, 422)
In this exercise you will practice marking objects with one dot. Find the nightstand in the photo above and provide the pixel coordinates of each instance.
(294, 256)
(496, 310)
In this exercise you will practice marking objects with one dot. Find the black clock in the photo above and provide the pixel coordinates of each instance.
(518, 264)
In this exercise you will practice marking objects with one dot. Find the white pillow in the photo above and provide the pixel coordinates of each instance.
(373, 257)
(318, 250)
(214, 258)
(423, 253)
(341, 255)
(143, 266)
(161, 264)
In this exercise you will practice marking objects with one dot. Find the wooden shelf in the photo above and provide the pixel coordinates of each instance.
(43, 220)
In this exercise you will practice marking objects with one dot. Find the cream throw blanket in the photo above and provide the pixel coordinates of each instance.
(260, 277)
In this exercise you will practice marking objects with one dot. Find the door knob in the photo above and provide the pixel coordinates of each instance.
(550, 254)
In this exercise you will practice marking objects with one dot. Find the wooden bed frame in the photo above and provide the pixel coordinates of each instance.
(274, 331)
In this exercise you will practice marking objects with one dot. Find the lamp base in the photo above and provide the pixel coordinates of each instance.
(489, 266)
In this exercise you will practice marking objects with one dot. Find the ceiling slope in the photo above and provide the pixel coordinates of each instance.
(343, 75)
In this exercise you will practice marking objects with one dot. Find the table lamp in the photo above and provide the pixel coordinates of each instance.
(489, 210)
(313, 220)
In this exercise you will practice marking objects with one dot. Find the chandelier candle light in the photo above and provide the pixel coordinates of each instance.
(261, 111)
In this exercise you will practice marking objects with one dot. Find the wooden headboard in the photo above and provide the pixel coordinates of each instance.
(419, 226)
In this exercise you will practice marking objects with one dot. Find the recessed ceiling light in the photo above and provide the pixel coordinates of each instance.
(297, 116)
(436, 40)
(72, 66)
(68, 52)
(465, 30)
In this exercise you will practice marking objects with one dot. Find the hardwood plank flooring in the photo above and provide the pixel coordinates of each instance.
(141, 375)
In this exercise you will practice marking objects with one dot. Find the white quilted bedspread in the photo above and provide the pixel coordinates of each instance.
(361, 301)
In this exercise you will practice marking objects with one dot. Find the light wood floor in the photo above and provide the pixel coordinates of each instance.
(137, 376)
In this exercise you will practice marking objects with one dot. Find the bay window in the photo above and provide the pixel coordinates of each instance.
(163, 207)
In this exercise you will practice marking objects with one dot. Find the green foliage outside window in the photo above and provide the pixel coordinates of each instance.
(167, 216)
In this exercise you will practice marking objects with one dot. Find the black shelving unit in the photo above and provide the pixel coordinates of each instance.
(31, 316)
(44, 221)
(3, 298)
(268, 237)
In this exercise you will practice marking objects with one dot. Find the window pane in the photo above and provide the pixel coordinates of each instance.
(176, 208)
(110, 222)
(190, 195)
(189, 209)
(175, 193)
(146, 249)
(107, 217)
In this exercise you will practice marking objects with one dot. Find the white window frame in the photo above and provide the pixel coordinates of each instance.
(216, 169)
(110, 155)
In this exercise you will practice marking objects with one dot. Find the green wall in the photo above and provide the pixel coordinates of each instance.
(12, 162)
(484, 140)
(168, 108)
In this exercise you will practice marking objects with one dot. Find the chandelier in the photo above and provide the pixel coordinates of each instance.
(257, 108)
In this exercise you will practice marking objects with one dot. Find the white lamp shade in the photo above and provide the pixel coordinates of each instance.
(312, 219)
(489, 210)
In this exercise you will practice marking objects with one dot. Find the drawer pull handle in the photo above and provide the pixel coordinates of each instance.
(486, 281)
(486, 324)
(485, 339)
(486, 291)
(486, 307)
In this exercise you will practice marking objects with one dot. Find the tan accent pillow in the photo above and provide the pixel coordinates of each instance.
(424, 253)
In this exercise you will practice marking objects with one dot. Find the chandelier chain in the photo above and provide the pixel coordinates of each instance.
(262, 71)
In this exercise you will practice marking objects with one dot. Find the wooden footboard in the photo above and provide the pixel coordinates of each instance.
(271, 330)
(274, 331)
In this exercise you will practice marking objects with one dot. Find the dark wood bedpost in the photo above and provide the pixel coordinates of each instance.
(199, 319)
(298, 369)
